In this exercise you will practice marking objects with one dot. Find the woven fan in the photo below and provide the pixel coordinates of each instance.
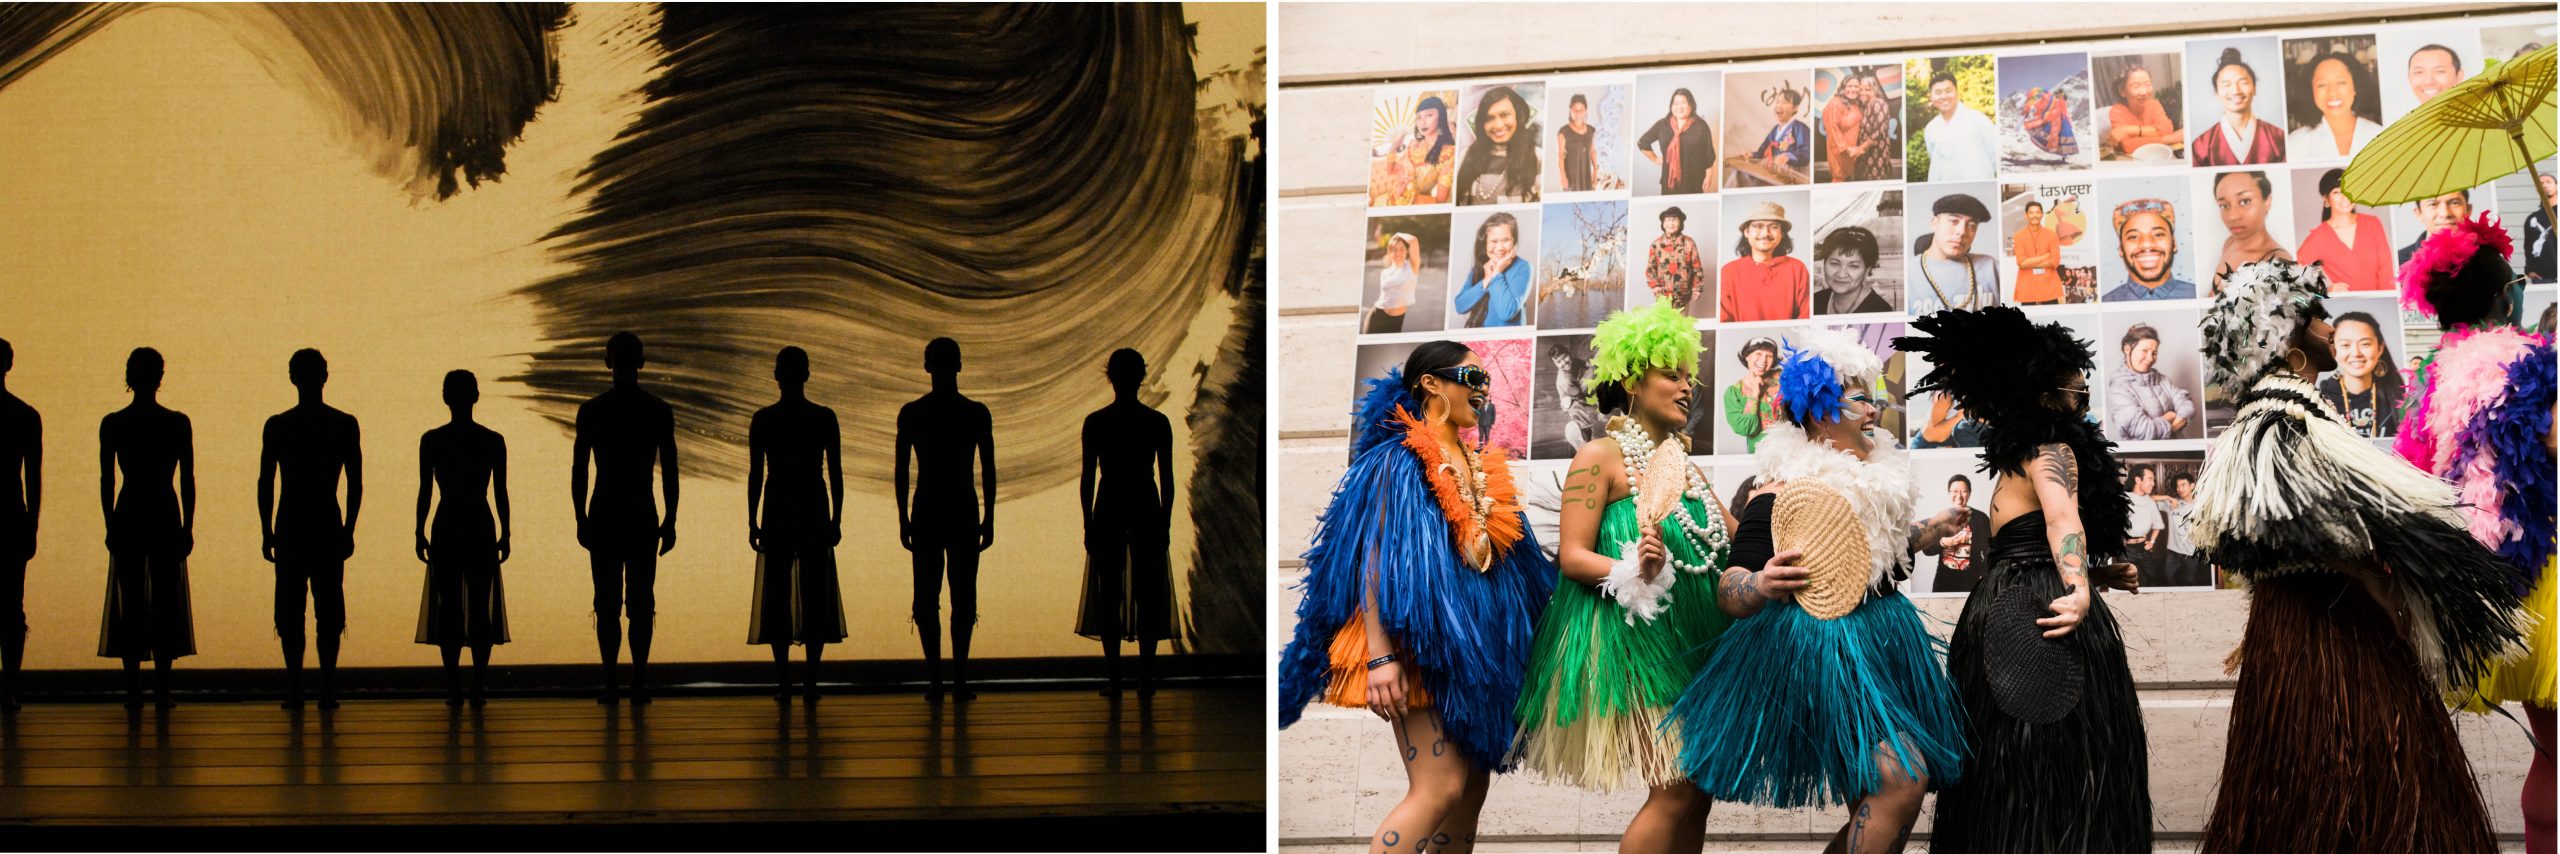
(1666, 477)
(1818, 521)
(2033, 678)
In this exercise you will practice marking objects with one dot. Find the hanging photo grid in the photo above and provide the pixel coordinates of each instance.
(2105, 186)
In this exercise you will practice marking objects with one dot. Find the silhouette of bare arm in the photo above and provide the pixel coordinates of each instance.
(755, 480)
(1084, 480)
(35, 477)
(898, 477)
(1164, 465)
(426, 491)
(187, 478)
(355, 479)
(506, 521)
(267, 466)
(667, 476)
(835, 475)
(107, 480)
(578, 452)
(987, 477)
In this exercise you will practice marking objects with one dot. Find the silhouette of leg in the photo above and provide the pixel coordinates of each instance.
(811, 693)
(329, 608)
(964, 615)
(1150, 607)
(133, 683)
(606, 569)
(160, 680)
(781, 672)
(1105, 607)
(641, 596)
(13, 629)
(452, 673)
(480, 624)
(290, 580)
(927, 612)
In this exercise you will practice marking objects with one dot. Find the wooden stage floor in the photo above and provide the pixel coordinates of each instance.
(1190, 761)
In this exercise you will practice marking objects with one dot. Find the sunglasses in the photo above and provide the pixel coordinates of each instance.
(1466, 375)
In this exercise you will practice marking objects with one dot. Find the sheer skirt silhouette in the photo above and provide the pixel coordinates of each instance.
(464, 603)
(148, 613)
(792, 450)
(1128, 584)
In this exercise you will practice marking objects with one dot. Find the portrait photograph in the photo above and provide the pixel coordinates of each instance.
(2148, 250)
(1858, 251)
(1676, 144)
(1501, 144)
(1492, 266)
(2351, 242)
(1413, 148)
(1947, 110)
(2333, 97)
(1404, 283)
(1589, 151)
(1857, 123)
(1955, 244)
(1675, 249)
(2417, 63)
(1765, 275)
(2048, 251)
(2152, 364)
(1767, 126)
(2045, 113)
(2235, 117)
(2141, 116)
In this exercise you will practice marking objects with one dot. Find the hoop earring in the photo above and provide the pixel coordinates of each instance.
(2291, 352)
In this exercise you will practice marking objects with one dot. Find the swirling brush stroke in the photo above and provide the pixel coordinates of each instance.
(856, 180)
(435, 92)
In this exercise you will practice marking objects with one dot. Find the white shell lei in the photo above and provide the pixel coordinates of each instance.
(1708, 539)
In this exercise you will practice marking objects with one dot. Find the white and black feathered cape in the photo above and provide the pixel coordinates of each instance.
(2288, 488)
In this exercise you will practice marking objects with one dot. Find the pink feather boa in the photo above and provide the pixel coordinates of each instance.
(2445, 252)
(2469, 377)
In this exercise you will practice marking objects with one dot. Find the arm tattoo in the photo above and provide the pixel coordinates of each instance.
(1586, 492)
(2072, 559)
(1737, 586)
(2062, 468)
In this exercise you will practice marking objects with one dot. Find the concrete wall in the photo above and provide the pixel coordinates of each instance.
(1336, 768)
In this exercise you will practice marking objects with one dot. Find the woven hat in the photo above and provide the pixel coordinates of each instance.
(2034, 678)
(1818, 521)
(1770, 211)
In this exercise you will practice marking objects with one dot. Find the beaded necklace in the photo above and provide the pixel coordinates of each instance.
(1708, 540)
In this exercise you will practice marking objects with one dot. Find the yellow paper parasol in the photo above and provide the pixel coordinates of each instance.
(2497, 123)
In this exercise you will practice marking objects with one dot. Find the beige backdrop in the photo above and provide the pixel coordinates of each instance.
(160, 187)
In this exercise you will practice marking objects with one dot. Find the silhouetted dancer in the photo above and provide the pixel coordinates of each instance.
(465, 600)
(150, 530)
(796, 598)
(628, 431)
(309, 445)
(1128, 584)
(946, 527)
(21, 497)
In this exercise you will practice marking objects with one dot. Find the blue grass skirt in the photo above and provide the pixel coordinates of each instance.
(1793, 711)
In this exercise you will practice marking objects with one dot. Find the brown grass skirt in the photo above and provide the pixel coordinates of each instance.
(2339, 742)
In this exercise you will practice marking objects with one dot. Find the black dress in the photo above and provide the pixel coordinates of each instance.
(2081, 783)
(1577, 157)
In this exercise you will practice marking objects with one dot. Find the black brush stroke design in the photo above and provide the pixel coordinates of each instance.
(1226, 604)
(433, 91)
(856, 180)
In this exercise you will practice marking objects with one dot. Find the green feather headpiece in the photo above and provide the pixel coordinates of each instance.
(1629, 342)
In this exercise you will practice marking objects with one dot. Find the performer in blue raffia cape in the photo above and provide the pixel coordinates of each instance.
(1422, 589)
(1827, 689)
(1640, 539)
